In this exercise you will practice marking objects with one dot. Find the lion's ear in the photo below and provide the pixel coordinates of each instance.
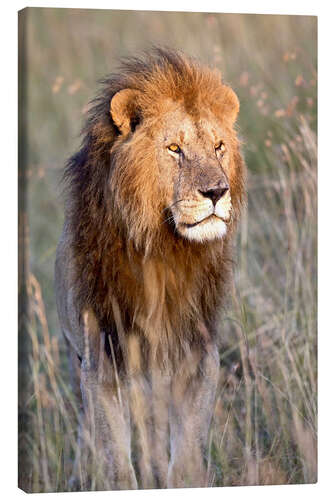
(124, 109)
(230, 102)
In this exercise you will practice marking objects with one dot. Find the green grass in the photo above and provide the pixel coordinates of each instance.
(264, 429)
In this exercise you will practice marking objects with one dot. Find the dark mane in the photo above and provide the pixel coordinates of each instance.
(106, 261)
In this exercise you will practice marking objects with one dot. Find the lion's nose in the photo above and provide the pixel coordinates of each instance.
(215, 194)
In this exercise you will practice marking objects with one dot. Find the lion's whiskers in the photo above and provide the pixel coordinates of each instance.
(168, 219)
(172, 205)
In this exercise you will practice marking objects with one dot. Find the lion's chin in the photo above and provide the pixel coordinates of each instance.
(209, 229)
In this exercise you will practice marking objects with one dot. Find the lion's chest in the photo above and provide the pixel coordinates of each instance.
(169, 295)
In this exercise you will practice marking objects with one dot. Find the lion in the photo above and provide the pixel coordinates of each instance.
(144, 265)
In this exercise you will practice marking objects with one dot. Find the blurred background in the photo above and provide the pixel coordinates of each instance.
(264, 427)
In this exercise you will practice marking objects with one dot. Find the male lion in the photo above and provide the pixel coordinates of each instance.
(143, 265)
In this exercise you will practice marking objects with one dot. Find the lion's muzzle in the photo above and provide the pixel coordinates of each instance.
(204, 216)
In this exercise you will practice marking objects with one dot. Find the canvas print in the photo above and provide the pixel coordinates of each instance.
(167, 250)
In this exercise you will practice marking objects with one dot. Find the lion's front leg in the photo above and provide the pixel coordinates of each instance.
(193, 397)
(107, 416)
(108, 432)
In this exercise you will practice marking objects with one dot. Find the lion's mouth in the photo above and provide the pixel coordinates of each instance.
(210, 218)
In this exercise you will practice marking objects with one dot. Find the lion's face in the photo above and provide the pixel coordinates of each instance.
(176, 166)
(193, 159)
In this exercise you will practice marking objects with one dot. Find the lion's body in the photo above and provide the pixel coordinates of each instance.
(133, 260)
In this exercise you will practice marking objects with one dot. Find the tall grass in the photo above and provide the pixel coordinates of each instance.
(264, 425)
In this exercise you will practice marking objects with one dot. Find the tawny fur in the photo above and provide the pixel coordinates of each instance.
(145, 261)
(120, 246)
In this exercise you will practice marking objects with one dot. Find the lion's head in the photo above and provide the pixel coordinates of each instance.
(175, 162)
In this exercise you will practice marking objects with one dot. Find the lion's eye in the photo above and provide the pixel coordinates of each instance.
(174, 148)
(220, 146)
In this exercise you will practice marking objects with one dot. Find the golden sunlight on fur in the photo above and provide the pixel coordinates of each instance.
(144, 264)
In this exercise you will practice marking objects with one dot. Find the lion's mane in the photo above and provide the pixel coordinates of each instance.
(120, 247)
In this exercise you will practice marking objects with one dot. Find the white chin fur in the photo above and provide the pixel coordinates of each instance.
(210, 230)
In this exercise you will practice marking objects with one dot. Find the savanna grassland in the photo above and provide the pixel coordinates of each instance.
(264, 428)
